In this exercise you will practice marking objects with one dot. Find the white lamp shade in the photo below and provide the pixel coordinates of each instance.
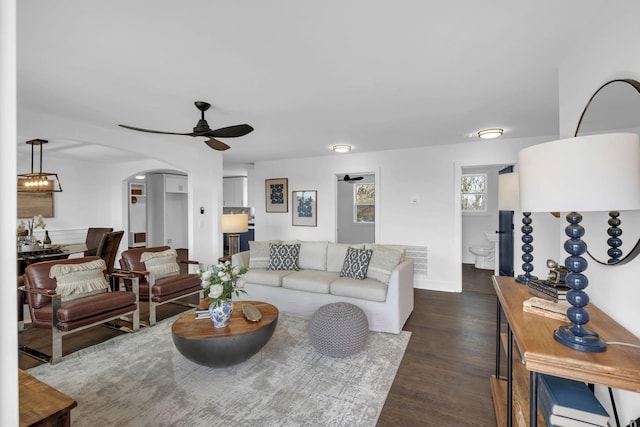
(508, 192)
(235, 223)
(588, 173)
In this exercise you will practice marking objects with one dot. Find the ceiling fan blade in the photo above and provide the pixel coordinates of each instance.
(231, 131)
(156, 131)
(217, 145)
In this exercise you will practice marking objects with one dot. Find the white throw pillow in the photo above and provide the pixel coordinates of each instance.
(313, 256)
(259, 253)
(383, 261)
(161, 264)
(79, 280)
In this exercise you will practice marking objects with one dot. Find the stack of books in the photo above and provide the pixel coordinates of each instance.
(550, 291)
(568, 403)
(202, 310)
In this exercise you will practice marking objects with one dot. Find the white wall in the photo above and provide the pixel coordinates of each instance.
(600, 56)
(430, 173)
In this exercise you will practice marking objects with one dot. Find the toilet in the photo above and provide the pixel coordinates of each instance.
(485, 254)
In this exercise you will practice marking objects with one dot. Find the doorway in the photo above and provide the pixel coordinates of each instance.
(478, 226)
(355, 208)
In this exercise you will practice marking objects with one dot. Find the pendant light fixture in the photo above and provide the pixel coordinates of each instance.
(38, 182)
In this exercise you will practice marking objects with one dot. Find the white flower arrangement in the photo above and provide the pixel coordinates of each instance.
(220, 282)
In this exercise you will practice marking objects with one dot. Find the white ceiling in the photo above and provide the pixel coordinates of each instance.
(306, 75)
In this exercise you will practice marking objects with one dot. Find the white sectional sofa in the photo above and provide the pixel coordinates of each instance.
(385, 294)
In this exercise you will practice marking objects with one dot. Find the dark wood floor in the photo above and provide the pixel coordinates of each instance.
(443, 379)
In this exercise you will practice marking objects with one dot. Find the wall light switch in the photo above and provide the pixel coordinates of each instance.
(414, 200)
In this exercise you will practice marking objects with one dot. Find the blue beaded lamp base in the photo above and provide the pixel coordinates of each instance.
(527, 248)
(576, 335)
(589, 341)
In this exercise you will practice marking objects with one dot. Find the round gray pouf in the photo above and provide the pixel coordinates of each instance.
(339, 329)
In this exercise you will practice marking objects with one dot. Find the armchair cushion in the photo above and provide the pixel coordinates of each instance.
(161, 264)
(79, 280)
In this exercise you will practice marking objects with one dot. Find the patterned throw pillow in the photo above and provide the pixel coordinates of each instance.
(356, 263)
(283, 257)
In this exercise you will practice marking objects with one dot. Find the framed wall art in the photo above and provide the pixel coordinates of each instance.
(276, 192)
(305, 208)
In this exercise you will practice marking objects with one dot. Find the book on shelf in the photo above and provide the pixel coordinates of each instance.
(554, 420)
(571, 400)
(545, 295)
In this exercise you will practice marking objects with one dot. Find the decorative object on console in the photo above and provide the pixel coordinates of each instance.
(233, 224)
(276, 191)
(577, 174)
(38, 182)
(304, 210)
(509, 200)
(220, 283)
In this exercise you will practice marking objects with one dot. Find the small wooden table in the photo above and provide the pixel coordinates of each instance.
(617, 367)
(41, 404)
(200, 342)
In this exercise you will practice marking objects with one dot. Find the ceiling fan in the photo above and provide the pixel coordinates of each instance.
(348, 178)
(202, 129)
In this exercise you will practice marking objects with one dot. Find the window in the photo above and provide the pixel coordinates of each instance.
(365, 203)
(473, 190)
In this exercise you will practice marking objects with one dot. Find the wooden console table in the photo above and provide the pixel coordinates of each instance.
(617, 367)
(42, 405)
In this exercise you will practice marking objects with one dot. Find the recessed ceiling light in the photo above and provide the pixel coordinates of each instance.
(490, 133)
(139, 176)
(341, 148)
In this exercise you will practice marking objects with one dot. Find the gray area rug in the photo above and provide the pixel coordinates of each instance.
(140, 379)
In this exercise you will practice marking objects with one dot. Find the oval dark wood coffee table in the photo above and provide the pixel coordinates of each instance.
(200, 342)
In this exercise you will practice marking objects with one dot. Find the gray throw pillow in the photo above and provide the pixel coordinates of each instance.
(283, 257)
(356, 263)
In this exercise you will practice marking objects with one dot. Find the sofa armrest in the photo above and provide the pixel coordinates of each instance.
(400, 292)
(241, 259)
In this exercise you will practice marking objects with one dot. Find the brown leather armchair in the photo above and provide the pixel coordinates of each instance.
(94, 235)
(48, 311)
(155, 290)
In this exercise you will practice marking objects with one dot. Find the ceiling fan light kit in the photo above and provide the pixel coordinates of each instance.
(341, 148)
(490, 133)
(202, 129)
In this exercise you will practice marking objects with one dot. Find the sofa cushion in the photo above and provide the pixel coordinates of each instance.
(79, 280)
(313, 255)
(336, 253)
(383, 261)
(283, 257)
(401, 248)
(356, 263)
(161, 264)
(368, 289)
(310, 281)
(261, 276)
(259, 253)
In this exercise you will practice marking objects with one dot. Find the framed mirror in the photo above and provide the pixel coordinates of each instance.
(614, 107)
